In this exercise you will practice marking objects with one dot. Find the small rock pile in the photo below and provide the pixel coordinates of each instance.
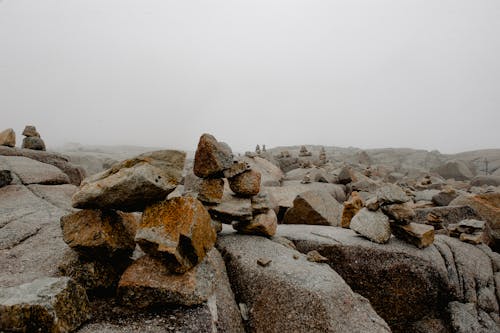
(389, 212)
(248, 210)
(470, 231)
(8, 138)
(304, 152)
(32, 139)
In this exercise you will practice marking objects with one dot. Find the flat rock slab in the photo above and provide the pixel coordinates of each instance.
(56, 195)
(45, 305)
(287, 293)
(314, 207)
(232, 208)
(33, 172)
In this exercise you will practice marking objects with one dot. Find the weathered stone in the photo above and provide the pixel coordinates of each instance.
(391, 193)
(420, 235)
(302, 296)
(441, 217)
(261, 203)
(231, 209)
(245, 184)
(133, 184)
(351, 208)
(401, 213)
(56, 195)
(212, 157)
(53, 305)
(33, 172)
(425, 195)
(271, 175)
(466, 319)
(457, 170)
(485, 180)
(314, 207)
(34, 143)
(474, 239)
(471, 226)
(345, 176)
(262, 224)
(8, 138)
(372, 204)
(148, 282)
(444, 197)
(30, 131)
(211, 190)
(236, 168)
(99, 233)
(372, 225)
(95, 275)
(315, 256)
(178, 230)
(5, 178)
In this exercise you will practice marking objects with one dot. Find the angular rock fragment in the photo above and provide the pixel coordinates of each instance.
(236, 168)
(345, 176)
(401, 213)
(178, 230)
(391, 193)
(314, 207)
(34, 143)
(262, 224)
(457, 170)
(444, 197)
(45, 305)
(351, 208)
(315, 256)
(99, 233)
(8, 138)
(31, 171)
(231, 209)
(30, 131)
(420, 235)
(372, 225)
(245, 184)
(211, 190)
(133, 184)
(212, 157)
(372, 204)
(148, 282)
(474, 239)
(261, 203)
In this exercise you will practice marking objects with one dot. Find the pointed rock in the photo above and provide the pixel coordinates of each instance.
(33, 143)
(314, 207)
(178, 230)
(212, 157)
(245, 184)
(401, 213)
(8, 138)
(372, 225)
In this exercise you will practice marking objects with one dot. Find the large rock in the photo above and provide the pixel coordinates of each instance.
(401, 213)
(99, 233)
(262, 224)
(8, 138)
(211, 157)
(485, 180)
(33, 172)
(291, 294)
(444, 197)
(351, 208)
(45, 305)
(420, 235)
(457, 170)
(314, 207)
(133, 184)
(441, 217)
(487, 206)
(372, 225)
(34, 143)
(148, 282)
(75, 174)
(231, 209)
(30, 131)
(211, 190)
(391, 193)
(178, 230)
(246, 184)
(405, 285)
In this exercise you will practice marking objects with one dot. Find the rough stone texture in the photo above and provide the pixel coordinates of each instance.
(292, 294)
(372, 225)
(99, 233)
(401, 213)
(457, 170)
(314, 207)
(351, 208)
(211, 157)
(236, 168)
(487, 206)
(315, 174)
(426, 195)
(8, 138)
(441, 217)
(148, 282)
(262, 224)
(75, 174)
(133, 184)
(271, 175)
(231, 209)
(420, 235)
(54, 305)
(246, 184)
(391, 193)
(261, 203)
(485, 180)
(345, 176)
(5, 177)
(33, 143)
(465, 319)
(56, 195)
(405, 285)
(33, 172)
(178, 230)
(443, 198)
(211, 190)
(30, 131)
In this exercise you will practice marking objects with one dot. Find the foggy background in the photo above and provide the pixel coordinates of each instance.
(364, 73)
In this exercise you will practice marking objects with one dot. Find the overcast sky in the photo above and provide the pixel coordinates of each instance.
(364, 73)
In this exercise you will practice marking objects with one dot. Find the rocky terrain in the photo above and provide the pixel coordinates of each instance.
(289, 239)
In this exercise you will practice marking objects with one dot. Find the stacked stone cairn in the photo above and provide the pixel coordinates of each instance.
(32, 139)
(470, 231)
(322, 156)
(304, 152)
(388, 212)
(246, 209)
(8, 138)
